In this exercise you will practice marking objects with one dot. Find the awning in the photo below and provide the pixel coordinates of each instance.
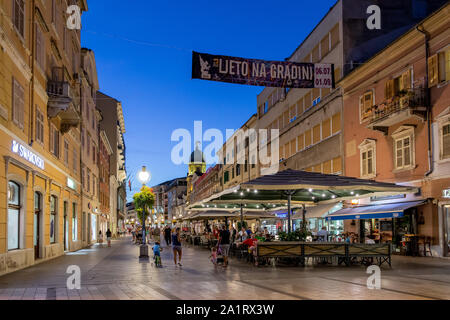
(320, 211)
(390, 210)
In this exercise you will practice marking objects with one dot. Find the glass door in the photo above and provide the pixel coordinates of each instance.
(37, 219)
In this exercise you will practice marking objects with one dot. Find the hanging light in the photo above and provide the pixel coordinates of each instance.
(256, 191)
(333, 196)
(352, 193)
(323, 195)
(310, 190)
(248, 190)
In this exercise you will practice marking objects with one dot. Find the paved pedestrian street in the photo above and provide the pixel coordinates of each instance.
(117, 274)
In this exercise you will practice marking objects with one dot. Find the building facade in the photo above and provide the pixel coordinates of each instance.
(40, 179)
(104, 154)
(396, 126)
(113, 124)
(89, 148)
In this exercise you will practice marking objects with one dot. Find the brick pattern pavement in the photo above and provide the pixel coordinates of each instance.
(117, 274)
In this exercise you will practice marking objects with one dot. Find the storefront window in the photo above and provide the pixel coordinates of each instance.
(53, 212)
(13, 215)
(94, 227)
(74, 222)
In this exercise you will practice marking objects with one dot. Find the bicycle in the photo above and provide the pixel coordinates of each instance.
(157, 259)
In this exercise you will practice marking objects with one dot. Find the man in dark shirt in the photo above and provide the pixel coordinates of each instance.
(167, 235)
(224, 243)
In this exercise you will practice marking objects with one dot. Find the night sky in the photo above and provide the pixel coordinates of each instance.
(143, 54)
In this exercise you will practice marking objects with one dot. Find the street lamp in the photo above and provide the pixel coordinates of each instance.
(144, 177)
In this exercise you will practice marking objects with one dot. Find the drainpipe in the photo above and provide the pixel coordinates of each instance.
(428, 100)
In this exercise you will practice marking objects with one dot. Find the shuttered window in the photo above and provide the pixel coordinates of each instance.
(54, 141)
(318, 168)
(337, 74)
(66, 152)
(286, 118)
(300, 107)
(281, 152)
(18, 104)
(433, 71)
(337, 165)
(366, 102)
(446, 141)
(40, 48)
(308, 138)
(326, 167)
(325, 45)
(39, 125)
(293, 147)
(315, 54)
(336, 123)
(335, 36)
(287, 150)
(300, 142)
(326, 128)
(308, 102)
(316, 134)
(19, 16)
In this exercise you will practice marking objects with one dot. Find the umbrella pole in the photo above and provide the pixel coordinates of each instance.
(289, 212)
(242, 216)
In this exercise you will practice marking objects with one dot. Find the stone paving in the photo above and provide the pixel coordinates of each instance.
(117, 274)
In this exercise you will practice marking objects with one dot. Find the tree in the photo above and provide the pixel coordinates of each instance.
(143, 202)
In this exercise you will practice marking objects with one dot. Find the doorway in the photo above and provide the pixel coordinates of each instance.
(66, 228)
(37, 225)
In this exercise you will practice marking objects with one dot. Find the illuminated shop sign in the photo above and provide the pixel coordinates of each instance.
(71, 184)
(446, 193)
(27, 154)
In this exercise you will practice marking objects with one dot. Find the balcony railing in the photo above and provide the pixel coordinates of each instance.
(405, 104)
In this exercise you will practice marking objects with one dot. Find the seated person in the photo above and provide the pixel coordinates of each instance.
(322, 235)
(370, 239)
(251, 243)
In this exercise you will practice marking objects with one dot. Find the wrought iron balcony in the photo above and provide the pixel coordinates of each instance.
(60, 102)
(404, 105)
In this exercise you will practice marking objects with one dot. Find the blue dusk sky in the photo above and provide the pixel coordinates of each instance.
(143, 55)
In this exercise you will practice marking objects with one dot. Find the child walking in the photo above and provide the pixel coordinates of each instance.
(213, 255)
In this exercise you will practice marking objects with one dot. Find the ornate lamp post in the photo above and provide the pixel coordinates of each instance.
(144, 177)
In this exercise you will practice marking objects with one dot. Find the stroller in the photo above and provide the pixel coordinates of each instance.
(220, 259)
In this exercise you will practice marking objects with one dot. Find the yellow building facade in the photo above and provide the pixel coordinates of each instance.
(40, 176)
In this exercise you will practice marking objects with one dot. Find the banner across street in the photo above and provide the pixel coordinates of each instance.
(283, 74)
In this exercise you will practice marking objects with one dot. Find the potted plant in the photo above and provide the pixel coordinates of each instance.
(143, 202)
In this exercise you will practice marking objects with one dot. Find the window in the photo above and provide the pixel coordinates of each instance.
(266, 107)
(75, 160)
(326, 128)
(88, 143)
(334, 36)
(53, 220)
(366, 102)
(53, 11)
(18, 104)
(226, 177)
(232, 173)
(54, 141)
(308, 137)
(74, 222)
(37, 218)
(238, 170)
(316, 134)
(82, 137)
(316, 54)
(337, 165)
(88, 180)
(337, 74)
(19, 16)
(39, 125)
(246, 166)
(93, 154)
(308, 102)
(286, 118)
(40, 47)
(82, 177)
(336, 123)
(445, 141)
(293, 146)
(300, 107)
(439, 68)
(326, 167)
(325, 45)
(300, 142)
(398, 84)
(287, 151)
(14, 207)
(367, 159)
(404, 147)
(66, 153)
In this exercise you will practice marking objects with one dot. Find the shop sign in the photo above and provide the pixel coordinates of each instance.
(27, 154)
(446, 193)
(71, 184)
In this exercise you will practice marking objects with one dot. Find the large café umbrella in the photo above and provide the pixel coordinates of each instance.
(300, 188)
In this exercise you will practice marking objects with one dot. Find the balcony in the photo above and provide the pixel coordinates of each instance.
(60, 101)
(404, 105)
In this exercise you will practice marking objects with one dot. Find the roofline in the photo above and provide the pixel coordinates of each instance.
(396, 41)
(317, 25)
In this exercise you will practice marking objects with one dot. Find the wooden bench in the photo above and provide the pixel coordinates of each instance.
(341, 252)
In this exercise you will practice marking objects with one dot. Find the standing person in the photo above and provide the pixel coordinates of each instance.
(233, 235)
(100, 237)
(176, 246)
(161, 236)
(224, 243)
(167, 235)
(108, 237)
